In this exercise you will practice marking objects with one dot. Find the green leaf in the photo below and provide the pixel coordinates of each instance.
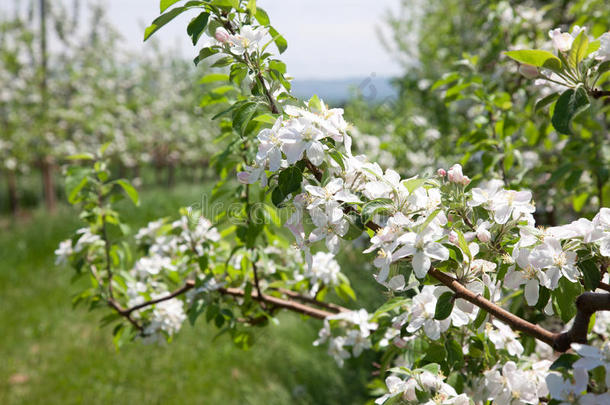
(251, 7)
(578, 51)
(591, 274)
(593, 46)
(226, 3)
(214, 77)
(277, 197)
(463, 244)
(197, 26)
(445, 79)
(165, 18)
(603, 67)
(243, 115)
(261, 16)
(204, 53)
(444, 306)
(266, 118)
(74, 191)
(569, 105)
(290, 180)
(345, 292)
(393, 303)
(374, 207)
(81, 156)
(536, 57)
(455, 355)
(565, 298)
(482, 315)
(165, 4)
(579, 201)
(222, 62)
(279, 40)
(131, 192)
(564, 361)
(195, 310)
(543, 102)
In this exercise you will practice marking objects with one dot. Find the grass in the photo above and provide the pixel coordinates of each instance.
(51, 353)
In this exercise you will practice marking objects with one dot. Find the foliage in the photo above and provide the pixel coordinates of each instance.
(462, 261)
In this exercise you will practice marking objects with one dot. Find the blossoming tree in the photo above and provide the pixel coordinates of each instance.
(481, 305)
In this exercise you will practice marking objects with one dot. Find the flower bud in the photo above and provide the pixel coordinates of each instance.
(441, 172)
(399, 342)
(243, 177)
(562, 41)
(529, 71)
(483, 235)
(465, 181)
(222, 35)
(455, 174)
(453, 237)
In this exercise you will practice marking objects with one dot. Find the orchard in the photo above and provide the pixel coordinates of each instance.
(475, 206)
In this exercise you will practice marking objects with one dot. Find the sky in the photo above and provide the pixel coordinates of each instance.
(327, 39)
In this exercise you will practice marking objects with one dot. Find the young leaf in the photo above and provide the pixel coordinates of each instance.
(279, 40)
(165, 4)
(204, 53)
(243, 115)
(569, 105)
(579, 48)
(536, 57)
(543, 102)
(162, 20)
(197, 26)
(261, 16)
(377, 206)
(444, 306)
(290, 180)
(131, 192)
(214, 77)
(591, 274)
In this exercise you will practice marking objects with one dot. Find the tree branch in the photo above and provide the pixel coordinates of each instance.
(595, 93)
(187, 286)
(587, 304)
(280, 303)
(326, 305)
(509, 318)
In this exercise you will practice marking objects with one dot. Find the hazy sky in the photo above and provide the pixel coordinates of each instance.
(326, 38)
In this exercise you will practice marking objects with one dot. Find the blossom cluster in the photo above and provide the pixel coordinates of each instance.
(440, 222)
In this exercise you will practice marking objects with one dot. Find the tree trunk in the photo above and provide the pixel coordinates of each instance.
(13, 195)
(171, 174)
(48, 186)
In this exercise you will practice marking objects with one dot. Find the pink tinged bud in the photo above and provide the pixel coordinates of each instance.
(399, 342)
(529, 71)
(484, 236)
(453, 237)
(450, 217)
(222, 35)
(466, 181)
(455, 174)
(243, 177)
(441, 172)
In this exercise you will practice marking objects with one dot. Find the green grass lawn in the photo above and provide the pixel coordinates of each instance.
(51, 353)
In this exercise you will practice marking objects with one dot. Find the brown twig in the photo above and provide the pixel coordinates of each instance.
(587, 304)
(280, 303)
(511, 319)
(326, 305)
(187, 286)
(595, 93)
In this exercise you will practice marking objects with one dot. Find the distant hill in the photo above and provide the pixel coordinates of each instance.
(373, 89)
